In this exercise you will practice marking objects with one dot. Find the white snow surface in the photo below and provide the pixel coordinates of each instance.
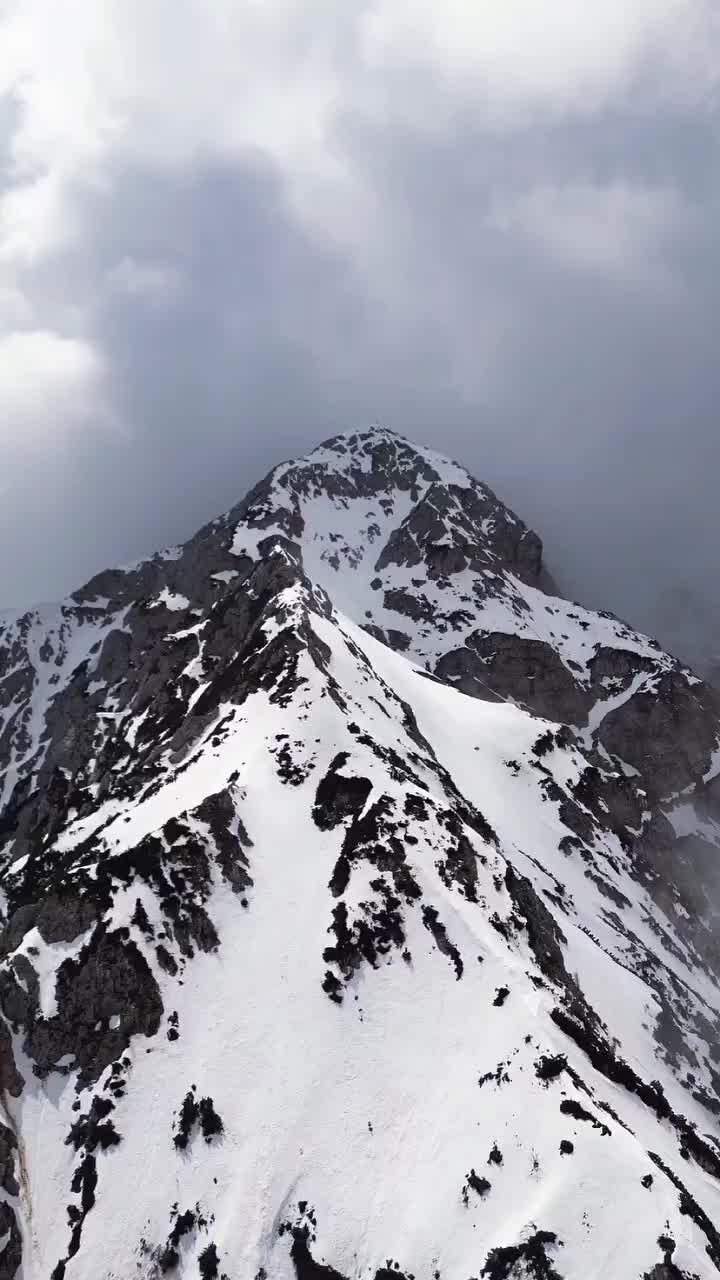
(371, 1112)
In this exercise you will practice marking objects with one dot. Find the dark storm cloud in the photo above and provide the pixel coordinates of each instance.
(602, 423)
(583, 387)
(264, 342)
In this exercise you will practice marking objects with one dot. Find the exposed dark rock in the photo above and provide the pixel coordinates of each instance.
(496, 665)
(168, 1258)
(550, 1067)
(11, 1253)
(532, 1256)
(587, 1033)
(93, 1129)
(666, 1270)
(306, 1268)
(59, 917)
(435, 926)
(8, 1154)
(10, 1078)
(109, 979)
(544, 935)
(390, 636)
(460, 867)
(478, 1184)
(187, 1119)
(339, 796)
(219, 813)
(417, 607)
(210, 1122)
(668, 733)
(84, 1184)
(377, 929)
(196, 1112)
(209, 1263)
(572, 1108)
(614, 800)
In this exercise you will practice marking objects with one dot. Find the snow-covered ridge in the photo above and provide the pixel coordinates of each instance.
(428, 560)
(374, 514)
(314, 967)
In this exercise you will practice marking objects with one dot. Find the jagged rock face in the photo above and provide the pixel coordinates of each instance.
(497, 665)
(431, 562)
(313, 965)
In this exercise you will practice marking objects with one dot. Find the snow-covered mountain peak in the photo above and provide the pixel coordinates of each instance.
(428, 560)
(360, 907)
(366, 501)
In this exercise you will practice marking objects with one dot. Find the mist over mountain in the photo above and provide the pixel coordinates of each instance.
(688, 620)
(683, 615)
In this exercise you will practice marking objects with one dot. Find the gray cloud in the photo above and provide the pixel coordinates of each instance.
(597, 416)
(539, 301)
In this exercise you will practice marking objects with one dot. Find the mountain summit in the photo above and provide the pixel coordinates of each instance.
(360, 906)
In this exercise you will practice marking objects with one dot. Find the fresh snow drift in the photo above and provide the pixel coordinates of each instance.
(360, 906)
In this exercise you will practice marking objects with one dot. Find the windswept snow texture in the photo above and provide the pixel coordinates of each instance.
(314, 967)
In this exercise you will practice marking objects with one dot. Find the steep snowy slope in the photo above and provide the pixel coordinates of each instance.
(314, 966)
(408, 544)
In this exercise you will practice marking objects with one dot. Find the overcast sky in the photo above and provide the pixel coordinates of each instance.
(231, 228)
